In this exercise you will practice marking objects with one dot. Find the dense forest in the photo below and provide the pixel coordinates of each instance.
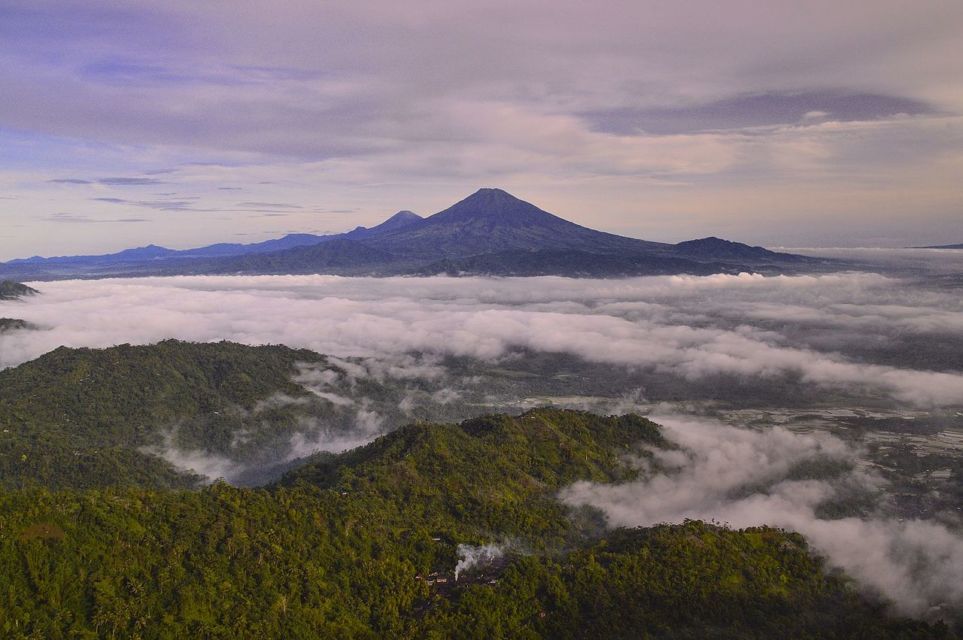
(365, 544)
(85, 418)
(102, 537)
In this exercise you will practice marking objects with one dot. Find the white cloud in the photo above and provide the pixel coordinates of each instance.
(688, 326)
(742, 477)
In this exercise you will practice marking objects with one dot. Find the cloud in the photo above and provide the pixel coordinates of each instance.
(314, 436)
(693, 328)
(335, 415)
(749, 478)
(183, 204)
(756, 110)
(129, 182)
(268, 205)
(208, 465)
(114, 181)
(189, 203)
(73, 218)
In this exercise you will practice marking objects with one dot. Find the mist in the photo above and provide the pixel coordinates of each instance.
(861, 333)
(774, 477)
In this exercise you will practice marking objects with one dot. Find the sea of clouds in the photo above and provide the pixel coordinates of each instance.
(748, 478)
(818, 328)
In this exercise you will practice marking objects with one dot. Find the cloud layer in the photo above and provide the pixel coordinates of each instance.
(750, 478)
(825, 331)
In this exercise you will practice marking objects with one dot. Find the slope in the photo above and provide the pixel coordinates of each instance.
(492, 220)
(89, 417)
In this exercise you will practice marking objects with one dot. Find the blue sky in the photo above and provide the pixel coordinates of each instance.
(184, 123)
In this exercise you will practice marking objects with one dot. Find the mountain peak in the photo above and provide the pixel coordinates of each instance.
(496, 206)
(400, 219)
(493, 195)
(719, 249)
(708, 242)
(492, 191)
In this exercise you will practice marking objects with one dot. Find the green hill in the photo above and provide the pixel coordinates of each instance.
(92, 417)
(364, 544)
(496, 472)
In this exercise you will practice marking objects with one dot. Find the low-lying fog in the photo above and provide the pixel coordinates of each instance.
(838, 358)
(856, 332)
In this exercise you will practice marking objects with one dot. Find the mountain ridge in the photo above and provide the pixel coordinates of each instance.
(221, 249)
(490, 232)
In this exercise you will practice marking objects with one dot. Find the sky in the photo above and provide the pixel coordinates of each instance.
(786, 123)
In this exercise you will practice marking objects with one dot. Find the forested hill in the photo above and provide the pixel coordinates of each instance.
(91, 417)
(10, 290)
(488, 471)
(365, 545)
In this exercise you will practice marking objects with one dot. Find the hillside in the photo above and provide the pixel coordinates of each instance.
(365, 545)
(339, 256)
(478, 473)
(491, 221)
(572, 263)
(98, 417)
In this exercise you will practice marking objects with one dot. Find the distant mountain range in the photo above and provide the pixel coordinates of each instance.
(490, 232)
